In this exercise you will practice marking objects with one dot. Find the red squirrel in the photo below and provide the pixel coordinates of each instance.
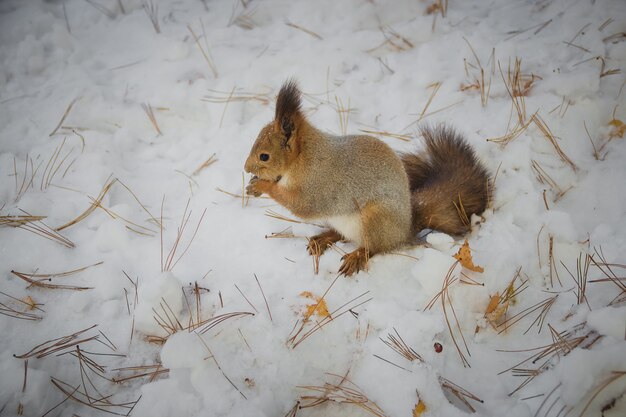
(362, 189)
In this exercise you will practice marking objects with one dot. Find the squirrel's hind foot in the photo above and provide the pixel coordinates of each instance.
(354, 262)
(319, 243)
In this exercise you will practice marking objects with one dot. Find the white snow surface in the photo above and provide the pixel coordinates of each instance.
(395, 67)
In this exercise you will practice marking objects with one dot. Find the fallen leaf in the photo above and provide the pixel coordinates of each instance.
(419, 409)
(319, 307)
(495, 315)
(618, 128)
(31, 303)
(493, 303)
(433, 8)
(464, 255)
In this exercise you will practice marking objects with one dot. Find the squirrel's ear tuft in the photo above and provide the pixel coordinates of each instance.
(288, 112)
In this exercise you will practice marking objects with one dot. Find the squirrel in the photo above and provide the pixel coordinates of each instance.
(362, 189)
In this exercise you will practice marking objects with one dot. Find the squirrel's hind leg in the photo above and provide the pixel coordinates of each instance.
(319, 243)
(384, 227)
(354, 262)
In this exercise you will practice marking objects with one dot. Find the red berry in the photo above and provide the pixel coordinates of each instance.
(438, 347)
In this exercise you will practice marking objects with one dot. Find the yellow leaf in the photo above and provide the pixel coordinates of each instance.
(464, 255)
(419, 409)
(31, 303)
(495, 315)
(319, 307)
(619, 128)
(493, 303)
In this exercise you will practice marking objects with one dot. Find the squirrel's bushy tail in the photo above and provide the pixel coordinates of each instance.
(448, 184)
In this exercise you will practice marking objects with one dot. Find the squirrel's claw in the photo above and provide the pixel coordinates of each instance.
(354, 262)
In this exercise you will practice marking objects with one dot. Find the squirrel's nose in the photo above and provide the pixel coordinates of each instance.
(248, 165)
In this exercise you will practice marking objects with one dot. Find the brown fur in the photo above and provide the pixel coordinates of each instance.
(359, 186)
(448, 183)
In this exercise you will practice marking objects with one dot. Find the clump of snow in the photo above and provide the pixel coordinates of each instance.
(440, 241)
(91, 93)
(156, 293)
(609, 321)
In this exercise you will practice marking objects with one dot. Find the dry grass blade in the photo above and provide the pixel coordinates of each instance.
(136, 372)
(167, 319)
(66, 113)
(395, 40)
(538, 28)
(405, 138)
(563, 344)
(237, 95)
(446, 302)
(212, 159)
(286, 233)
(152, 218)
(582, 271)
(17, 221)
(479, 82)
(596, 155)
(542, 306)
(344, 392)
(300, 335)
(7, 308)
(343, 113)
(307, 31)
(544, 178)
(335, 314)
(150, 113)
(517, 101)
(554, 272)
(43, 280)
(212, 356)
(398, 345)
(616, 37)
(294, 410)
(543, 127)
(53, 166)
(152, 11)
(34, 224)
(242, 17)
(171, 260)
(209, 324)
(264, 299)
(459, 392)
(206, 53)
(197, 291)
(55, 345)
(435, 87)
(512, 134)
(108, 13)
(246, 298)
(607, 269)
(103, 403)
(28, 179)
(97, 201)
(278, 216)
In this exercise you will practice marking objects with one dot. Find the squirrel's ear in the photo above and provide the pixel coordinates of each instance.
(288, 113)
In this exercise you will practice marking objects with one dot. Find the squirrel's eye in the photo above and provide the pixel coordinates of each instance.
(264, 157)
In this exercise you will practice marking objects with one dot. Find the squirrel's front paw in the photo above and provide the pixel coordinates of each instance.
(256, 187)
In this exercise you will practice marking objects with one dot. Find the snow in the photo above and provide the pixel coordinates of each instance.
(245, 349)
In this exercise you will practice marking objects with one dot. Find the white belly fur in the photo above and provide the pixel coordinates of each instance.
(350, 227)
